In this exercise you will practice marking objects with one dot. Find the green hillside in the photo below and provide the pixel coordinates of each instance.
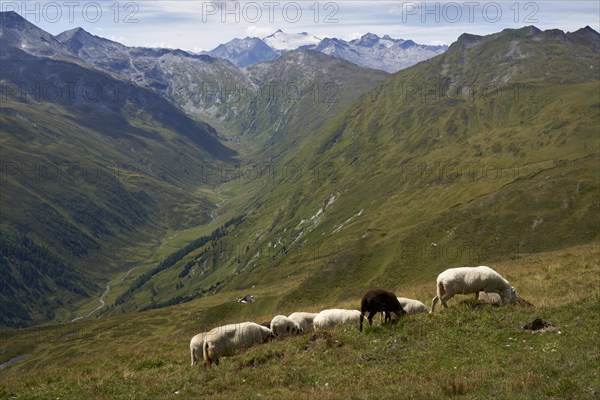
(417, 175)
(294, 96)
(89, 184)
(470, 350)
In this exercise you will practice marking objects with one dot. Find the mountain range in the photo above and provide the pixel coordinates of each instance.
(481, 154)
(371, 51)
(338, 177)
(81, 104)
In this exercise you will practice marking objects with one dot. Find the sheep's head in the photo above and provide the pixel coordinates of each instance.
(269, 337)
(510, 295)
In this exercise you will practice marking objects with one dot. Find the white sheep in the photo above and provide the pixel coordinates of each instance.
(335, 316)
(304, 319)
(283, 326)
(412, 306)
(229, 339)
(196, 347)
(467, 280)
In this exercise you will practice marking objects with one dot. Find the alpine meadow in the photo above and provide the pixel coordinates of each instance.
(150, 194)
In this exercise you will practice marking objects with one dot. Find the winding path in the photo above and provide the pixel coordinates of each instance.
(13, 361)
(103, 296)
(222, 201)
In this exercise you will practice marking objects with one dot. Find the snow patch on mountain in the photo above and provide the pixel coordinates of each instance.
(371, 51)
(290, 41)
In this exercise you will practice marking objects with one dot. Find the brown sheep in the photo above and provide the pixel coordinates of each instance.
(379, 300)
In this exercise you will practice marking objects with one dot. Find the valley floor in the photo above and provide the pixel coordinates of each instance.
(471, 350)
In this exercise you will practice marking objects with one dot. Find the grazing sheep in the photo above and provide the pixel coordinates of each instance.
(335, 316)
(379, 300)
(467, 280)
(229, 339)
(412, 306)
(283, 326)
(304, 319)
(196, 347)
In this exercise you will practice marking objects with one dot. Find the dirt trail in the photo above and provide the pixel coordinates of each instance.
(103, 296)
(219, 204)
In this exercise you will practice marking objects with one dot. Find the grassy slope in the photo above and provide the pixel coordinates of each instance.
(96, 196)
(472, 350)
(482, 178)
(296, 95)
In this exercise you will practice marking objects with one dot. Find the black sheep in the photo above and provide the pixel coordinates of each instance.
(379, 300)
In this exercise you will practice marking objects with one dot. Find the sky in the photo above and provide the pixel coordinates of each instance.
(202, 25)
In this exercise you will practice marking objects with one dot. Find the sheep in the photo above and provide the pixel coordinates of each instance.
(466, 280)
(376, 300)
(283, 326)
(335, 316)
(412, 306)
(229, 339)
(196, 347)
(304, 319)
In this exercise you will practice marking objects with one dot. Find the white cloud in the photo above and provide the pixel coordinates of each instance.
(161, 45)
(256, 31)
(352, 36)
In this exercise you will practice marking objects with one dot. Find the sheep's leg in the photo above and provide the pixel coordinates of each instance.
(434, 301)
(370, 317)
(388, 317)
(193, 358)
(444, 299)
(476, 295)
(362, 316)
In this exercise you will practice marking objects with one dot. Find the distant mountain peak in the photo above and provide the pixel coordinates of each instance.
(19, 33)
(522, 32)
(11, 19)
(73, 33)
(244, 52)
(368, 39)
(467, 40)
(369, 35)
(587, 30)
(290, 41)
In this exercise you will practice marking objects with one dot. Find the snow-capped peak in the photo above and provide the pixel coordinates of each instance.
(290, 41)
